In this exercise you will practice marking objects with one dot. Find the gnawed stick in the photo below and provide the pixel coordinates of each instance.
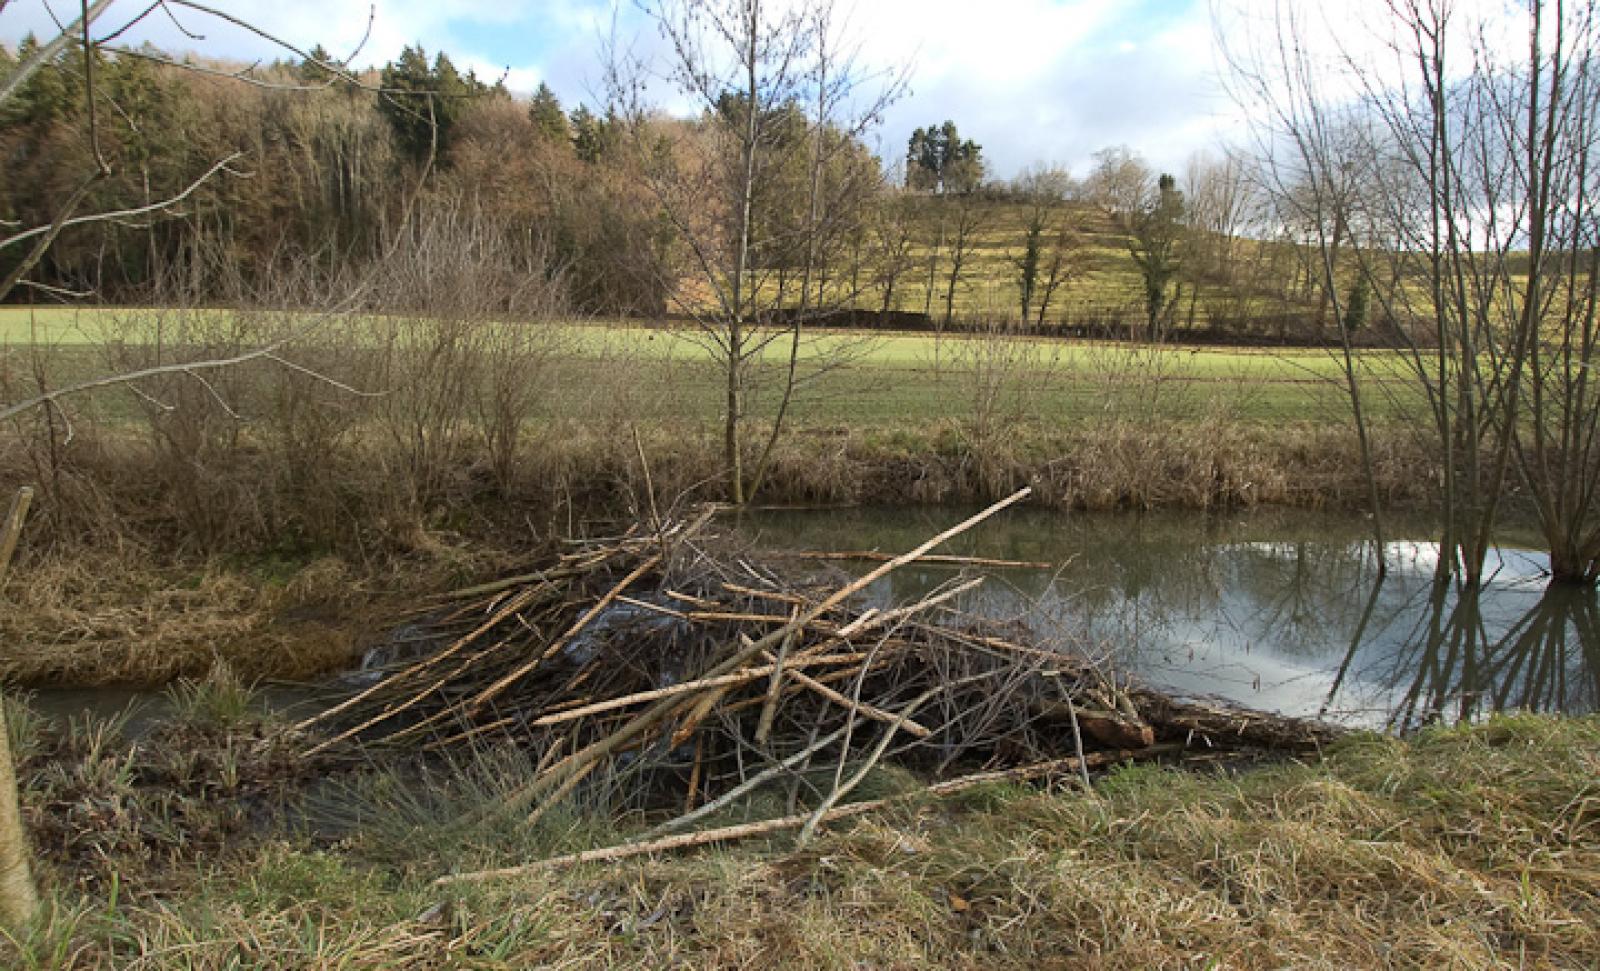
(843, 701)
(525, 579)
(780, 597)
(493, 691)
(515, 604)
(686, 687)
(726, 834)
(749, 785)
(769, 708)
(873, 619)
(647, 719)
(589, 560)
(840, 790)
(649, 607)
(942, 559)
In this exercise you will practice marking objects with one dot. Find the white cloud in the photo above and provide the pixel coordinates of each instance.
(1030, 79)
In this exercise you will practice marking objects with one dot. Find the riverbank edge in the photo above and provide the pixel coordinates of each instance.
(138, 570)
(1472, 846)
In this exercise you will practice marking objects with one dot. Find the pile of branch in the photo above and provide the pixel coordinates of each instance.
(667, 668)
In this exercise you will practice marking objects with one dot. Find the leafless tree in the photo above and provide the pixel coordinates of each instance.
(971, 215)
(770, 84)
(1219, 207)
(893, 231)
(1473, 155)
(1119, 182)
(1043, 190)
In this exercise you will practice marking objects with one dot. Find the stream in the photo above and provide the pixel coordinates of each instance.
(1276, 610)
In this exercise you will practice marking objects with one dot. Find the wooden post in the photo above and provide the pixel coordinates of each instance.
(19, 899)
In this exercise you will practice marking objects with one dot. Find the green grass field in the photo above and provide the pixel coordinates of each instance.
(857, 377)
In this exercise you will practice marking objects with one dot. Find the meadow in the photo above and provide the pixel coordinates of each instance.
(861, 378)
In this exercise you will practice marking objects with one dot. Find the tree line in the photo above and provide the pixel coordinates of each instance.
(329, 167)
(325, 172)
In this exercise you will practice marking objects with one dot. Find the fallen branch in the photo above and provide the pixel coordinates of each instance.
(741, 831)
(939, 558)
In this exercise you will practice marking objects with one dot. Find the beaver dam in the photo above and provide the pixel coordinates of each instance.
(671, 671)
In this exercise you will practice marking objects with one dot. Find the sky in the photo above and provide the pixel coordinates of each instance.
(1033, 81)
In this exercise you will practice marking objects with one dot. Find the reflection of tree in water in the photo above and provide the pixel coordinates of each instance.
(1300, 591)
(1274, 610)
(1464, 660)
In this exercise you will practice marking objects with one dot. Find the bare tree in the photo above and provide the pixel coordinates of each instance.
(971, 217)
(1156, 234)
(771, 85)
(1066, 262)
(1475, 160)
(1218, 209)
(1119, 182)
(1044, 191)
(893, 230)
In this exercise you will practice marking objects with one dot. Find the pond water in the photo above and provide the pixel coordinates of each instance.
(1277, 610)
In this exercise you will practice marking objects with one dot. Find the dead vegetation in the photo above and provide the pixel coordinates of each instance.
(644, 700)
(667, 670)
(1474, 848)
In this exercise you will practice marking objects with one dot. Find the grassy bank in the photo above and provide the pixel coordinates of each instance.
(141, 568)
(1471, 848)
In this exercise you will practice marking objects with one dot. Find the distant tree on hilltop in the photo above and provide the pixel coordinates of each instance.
(939, 160)
(547, 117)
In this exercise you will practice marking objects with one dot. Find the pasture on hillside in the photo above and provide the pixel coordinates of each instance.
(855, 378)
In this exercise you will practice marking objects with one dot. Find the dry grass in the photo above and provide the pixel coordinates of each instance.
(123, 589)
(1469, 848)
(89, 617)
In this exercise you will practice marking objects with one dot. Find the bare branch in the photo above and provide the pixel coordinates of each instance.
(265, 352)
(48, 52)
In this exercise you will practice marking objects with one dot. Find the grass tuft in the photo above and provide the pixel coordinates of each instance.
(1471, 848)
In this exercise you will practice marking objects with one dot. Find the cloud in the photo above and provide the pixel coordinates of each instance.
(1032, 80)
(1053, 82)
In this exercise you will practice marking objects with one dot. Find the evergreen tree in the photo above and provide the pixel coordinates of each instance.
(422, 104)
(311, 70)
(1157, 231)
(593, 136)
(1358, 307)
(939, 160)
(46, 97)
(547, 117)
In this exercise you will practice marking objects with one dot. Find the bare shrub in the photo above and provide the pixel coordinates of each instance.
(1139, 382)
(194, 422)
(461, 348)
(1002, 372)
(55, 449)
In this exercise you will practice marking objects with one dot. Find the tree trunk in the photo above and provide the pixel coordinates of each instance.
(1571, 565)
(19, 900)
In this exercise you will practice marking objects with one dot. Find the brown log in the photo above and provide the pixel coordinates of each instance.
(1106, 727)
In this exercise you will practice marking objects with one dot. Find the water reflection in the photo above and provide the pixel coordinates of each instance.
(1474, 654)
(1280, 611)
